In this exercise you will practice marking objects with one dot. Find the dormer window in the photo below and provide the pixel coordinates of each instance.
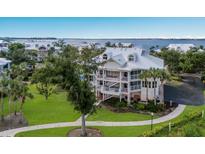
(131, 58)
(105, 56)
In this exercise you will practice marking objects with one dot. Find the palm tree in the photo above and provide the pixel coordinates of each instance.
(3, 89)
(163, 75)
(144, 76)
(154, 73)
(23, 94)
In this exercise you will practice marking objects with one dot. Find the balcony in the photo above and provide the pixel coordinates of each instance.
(112, 78)
(124, 78)
(99, 76)
(112, 89)
(124, 90)
(135, 87)
(133, 77)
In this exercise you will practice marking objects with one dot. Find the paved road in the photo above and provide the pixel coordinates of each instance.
(168, 117)
(190, 92)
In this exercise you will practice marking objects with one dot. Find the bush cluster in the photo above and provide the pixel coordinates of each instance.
(180, 122)
(150, 106)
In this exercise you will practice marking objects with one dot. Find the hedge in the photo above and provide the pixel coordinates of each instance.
(188, 117)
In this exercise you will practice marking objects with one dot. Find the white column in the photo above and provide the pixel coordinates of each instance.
(128, 90)
(96, 83)
(9, 65)
(103, 84)
(120, 86)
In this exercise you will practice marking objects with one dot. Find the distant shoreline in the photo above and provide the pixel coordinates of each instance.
(55, 38)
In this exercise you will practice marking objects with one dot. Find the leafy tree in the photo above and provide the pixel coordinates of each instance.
(17, 53)
(108, 44)
(83, 99)
(171, 59)
(71, 65)
(45, 89)
(43, 77)
(203, 77)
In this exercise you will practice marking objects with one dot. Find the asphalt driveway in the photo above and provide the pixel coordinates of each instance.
(190, 92)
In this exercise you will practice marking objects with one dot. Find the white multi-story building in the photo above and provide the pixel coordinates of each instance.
(3, 45)
(4, 63)
(119, 74)
(180, 47)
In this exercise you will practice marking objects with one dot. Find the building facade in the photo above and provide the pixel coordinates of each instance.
(119, 75)
(4, 64)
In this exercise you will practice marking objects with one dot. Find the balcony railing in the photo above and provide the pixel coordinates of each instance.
(134, 77)
(124, 78)
(124, 89)
(135, 87)
(112, 89)
(112, 78)
(100, 76)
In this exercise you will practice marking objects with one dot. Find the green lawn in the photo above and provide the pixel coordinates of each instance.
(104, 114)
(120, 131)
(106, 131)
(41, 111)
(127, 131)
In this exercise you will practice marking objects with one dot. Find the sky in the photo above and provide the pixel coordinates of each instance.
(102, 27)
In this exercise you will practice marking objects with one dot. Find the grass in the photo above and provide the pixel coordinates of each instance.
(192, 128)
(128, 131)
(40, 111)
(104, 114)
(52, 132)
(119, 131)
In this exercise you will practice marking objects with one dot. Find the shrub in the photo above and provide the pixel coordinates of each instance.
(191, 131)
(178, 123)
(151, 107)
(115, 102)
(139, 106)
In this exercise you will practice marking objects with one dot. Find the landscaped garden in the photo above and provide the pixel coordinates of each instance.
(103, 114)
(114, 110)
(116, 131)
(41, 111)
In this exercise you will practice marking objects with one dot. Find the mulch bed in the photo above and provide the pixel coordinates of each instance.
(13, 121)
(91, 132)
(130, 109)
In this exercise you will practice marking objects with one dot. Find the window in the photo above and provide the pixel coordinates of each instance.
(143, 84)
(101, 82)
(153, 86)
(91, 78)
(149, 84)
(105, 56)
(131, 58)
(146, 84)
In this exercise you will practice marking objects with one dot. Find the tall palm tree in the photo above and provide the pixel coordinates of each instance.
(23, 94)
(163, 76)
(144, 76)
(3, 90)
(154, 73)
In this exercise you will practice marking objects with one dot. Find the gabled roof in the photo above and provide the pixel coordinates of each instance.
(142, 59)
(119, 59)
